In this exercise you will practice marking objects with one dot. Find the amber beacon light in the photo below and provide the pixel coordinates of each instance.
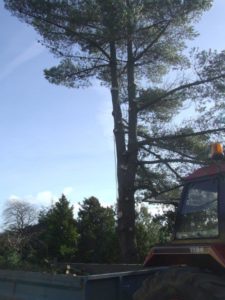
(217, 151)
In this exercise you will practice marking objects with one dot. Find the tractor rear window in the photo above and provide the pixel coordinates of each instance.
(199, 214)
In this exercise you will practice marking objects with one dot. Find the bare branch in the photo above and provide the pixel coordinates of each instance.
(18, 214)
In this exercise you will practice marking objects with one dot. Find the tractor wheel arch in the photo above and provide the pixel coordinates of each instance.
(182, 283)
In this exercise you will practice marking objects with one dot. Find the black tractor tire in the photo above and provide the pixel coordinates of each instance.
(182, 283)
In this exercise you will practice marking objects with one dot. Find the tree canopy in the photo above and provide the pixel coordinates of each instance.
(19, 214)
(97, 229)
(59, 230)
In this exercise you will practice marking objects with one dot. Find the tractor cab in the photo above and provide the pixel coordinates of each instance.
(199, 235)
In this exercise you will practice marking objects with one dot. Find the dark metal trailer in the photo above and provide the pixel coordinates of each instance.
(20, 285)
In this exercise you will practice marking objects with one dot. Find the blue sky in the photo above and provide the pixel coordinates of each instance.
(56, 140)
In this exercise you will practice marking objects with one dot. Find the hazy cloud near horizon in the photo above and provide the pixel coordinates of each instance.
(44, 198)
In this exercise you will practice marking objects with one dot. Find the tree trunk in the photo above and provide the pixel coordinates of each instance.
(128, 201)
(125, 173)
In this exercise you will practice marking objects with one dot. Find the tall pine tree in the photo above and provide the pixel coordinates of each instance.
(135, 48)
(59, 230)
(98, 242)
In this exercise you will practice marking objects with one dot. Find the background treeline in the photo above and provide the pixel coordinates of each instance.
(36, 239)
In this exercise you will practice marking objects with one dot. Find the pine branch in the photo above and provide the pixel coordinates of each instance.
(142, 53)
(77, 34)
(165, 147)
(152, 162)
(180, 88)
(142, 185)
(178, 136)
(166, 163)
(148, 27)
(162, 31)
(87, 70)
(174, 202)
(73, 56)
(163, 192)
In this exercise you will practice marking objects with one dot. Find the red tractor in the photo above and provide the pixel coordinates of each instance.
(193, 265)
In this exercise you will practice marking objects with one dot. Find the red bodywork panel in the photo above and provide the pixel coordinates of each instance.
(205, 256)
(214, 168)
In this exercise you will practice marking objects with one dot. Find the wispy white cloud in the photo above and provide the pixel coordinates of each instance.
(30, 53)
(14, 198)
(46, 198)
